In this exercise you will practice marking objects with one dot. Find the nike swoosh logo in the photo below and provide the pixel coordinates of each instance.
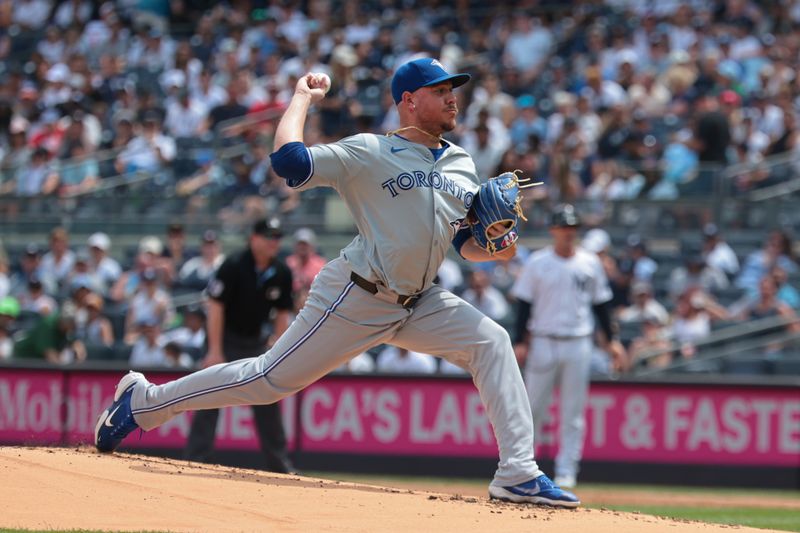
(395, 150)
(110, 416)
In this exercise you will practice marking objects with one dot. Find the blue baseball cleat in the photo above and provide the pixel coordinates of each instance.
(116, 422)
(540, 490)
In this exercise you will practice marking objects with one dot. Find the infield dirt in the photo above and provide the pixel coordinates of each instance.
(63, 488)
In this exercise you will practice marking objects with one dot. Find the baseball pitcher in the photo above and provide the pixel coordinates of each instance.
(412, 195)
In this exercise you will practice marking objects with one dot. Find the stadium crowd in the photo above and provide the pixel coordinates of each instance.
(65, 303)
(610, 100)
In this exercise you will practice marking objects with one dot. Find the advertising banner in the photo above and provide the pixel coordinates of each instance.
(653, 423)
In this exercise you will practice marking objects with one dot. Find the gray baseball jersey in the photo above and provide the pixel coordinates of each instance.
(407, 206)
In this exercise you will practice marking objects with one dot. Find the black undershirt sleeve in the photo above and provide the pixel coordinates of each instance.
(602, 313)
(521, 325)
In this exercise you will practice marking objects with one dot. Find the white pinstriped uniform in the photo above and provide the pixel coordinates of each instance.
(562, 291)
(407, 206)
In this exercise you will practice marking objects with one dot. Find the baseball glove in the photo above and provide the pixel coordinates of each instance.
(496, 210)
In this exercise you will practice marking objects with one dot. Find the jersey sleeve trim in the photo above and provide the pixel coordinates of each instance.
(461, 237)
(293, 162)
(310, 170)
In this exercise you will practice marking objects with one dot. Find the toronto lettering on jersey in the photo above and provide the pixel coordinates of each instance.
(417, 178)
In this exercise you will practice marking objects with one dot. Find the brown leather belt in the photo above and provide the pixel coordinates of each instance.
(406, 301)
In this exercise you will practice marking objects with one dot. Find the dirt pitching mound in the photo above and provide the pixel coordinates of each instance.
(59, 488)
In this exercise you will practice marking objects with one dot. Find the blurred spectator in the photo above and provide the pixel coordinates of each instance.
(483, 296)
(504, 272)
(654, 343)
(147, 350)
(787, 293)
(34, 298)
(207, 94)
(185, 116)
(57, 263)
(14, 156)
(82, 275)
(598, 241)
(31, 14)
(73, 301)
(9, 311)
(363, 363)
(197, 271)
(102, 265)
(5, 281)
(528, 45)
(603, 93)
(210, 177)
(37, 177)
(486, 150)
(712, 137)
(401, 361)
(717, 253)
(644, 305)
(151, 150)
(777, 250)
(305, 263)
(28, 266)
(127, 285)
(644, 267)
(149, 303)
(96, 328)
(228, 110)
(528, 123)
(691, 321)
(72, 12)
(695, 274)
(51, 339)
(151, 50)
(80, 173)
(174, 254)
(767, 304)
(175, 357)
(192, 333)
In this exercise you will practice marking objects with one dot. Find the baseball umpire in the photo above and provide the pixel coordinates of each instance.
(558, 291)
(412, 195)
(249, 290)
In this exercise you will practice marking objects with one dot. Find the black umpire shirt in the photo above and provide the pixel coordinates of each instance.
(249, 295)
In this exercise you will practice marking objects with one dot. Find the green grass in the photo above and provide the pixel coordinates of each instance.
(782, 519)
(758, 517)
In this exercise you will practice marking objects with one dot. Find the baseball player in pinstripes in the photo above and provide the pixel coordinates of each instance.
(409, 193)
(558, 291)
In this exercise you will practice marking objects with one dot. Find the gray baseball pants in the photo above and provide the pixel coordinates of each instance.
(565, 361)
(341, 320)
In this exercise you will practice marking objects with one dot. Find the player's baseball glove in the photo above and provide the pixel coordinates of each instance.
(496, 210)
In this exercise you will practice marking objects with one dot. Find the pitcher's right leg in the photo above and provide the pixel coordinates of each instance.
(339, 321)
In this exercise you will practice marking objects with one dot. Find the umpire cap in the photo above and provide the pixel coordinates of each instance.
(565, 216)
(268, 227)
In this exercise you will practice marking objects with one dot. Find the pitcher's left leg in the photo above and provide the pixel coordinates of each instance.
(443, 324)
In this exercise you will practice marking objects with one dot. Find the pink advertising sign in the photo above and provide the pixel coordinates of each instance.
(31, 412)
(671, 424)
(689, 424)
(396, 417)
(30, 406)
(656, 423)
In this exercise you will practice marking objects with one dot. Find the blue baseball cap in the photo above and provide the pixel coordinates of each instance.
(422, 73)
